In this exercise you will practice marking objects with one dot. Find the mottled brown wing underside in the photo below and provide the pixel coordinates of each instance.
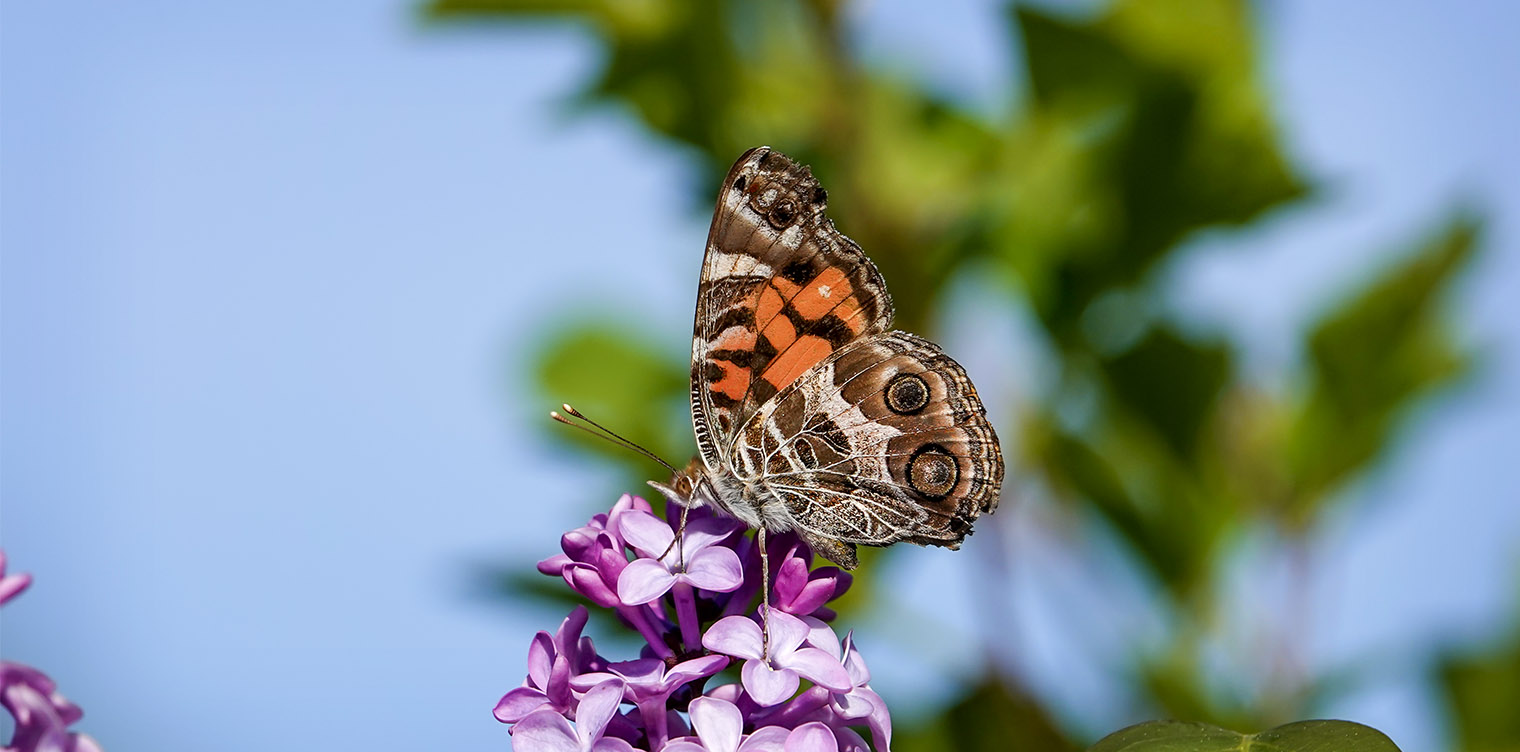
(884, 441)
(781, 290)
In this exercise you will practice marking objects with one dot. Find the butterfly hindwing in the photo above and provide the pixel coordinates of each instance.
(781, 290)
(883, 441)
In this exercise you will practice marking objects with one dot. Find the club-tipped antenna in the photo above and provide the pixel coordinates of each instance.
(602, 432)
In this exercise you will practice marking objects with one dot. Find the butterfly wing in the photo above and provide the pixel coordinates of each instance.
(781, 290)
(885, 440)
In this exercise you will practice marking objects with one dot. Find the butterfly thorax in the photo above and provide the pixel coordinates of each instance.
(747, 501)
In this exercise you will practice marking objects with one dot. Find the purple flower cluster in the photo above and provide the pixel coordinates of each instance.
(696, 604)
(42, 714)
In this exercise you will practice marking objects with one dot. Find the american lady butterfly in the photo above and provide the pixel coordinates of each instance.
(810, 415)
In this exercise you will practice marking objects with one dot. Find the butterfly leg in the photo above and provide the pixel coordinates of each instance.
(765, 596)
(678, 543)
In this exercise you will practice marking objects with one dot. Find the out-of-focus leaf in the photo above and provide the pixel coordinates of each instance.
(1172, 383)
(618, 379)
(1175, 124)
(992, 717)
(1483, 690)
(1303, 736)
(1372, 357)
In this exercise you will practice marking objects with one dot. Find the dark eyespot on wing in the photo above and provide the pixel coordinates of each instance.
(933, 471)
(907, 394)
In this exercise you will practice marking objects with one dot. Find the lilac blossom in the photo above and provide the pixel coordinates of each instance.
(42, 715)
(548, 731)
(551, 663)
(707, 565)
(802, 592)
(648, 684)
(697, 604)
(774, 676)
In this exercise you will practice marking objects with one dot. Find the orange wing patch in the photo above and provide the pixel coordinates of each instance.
(828, 291)
(805, 353)
(735, 381)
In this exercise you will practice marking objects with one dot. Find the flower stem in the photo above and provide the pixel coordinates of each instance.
(686, 614)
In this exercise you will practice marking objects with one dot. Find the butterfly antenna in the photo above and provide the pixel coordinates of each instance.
(603, 432)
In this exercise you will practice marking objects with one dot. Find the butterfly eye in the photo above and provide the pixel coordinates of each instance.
(740, 183)
(782, 214)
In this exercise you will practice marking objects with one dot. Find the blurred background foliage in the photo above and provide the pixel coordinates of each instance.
(1142, 124)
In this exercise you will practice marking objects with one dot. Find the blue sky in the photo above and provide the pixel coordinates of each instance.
(269, 271)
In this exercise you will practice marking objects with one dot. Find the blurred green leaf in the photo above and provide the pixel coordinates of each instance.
(1173, 384)
(1175, 127)
(991, 717)
(1372, 357)
(619, 379)
(1303, 736)
(1483, 689)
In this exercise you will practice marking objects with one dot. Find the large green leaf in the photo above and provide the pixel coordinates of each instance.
(1303, 736)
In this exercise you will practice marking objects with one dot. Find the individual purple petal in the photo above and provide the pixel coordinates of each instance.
(718, 724)
(729, 693)
(702, 533)
(879, 720)
(642, 581)
(716, 569)
(628, 504)
(555, 565)
(611, 744)
(787, 632)
(737, 636)
(587, 581)
(819, 667)
(790, 578)
(518, 703)
(849, 741)
(596, 709)
(540, 659)
(683, 745)
(646, 533)
(768, 686)
(766, 739)
(558, 689)
(821, 635)
(815, 591)
(852, 705)
(567, 637)
(695, 668)
(811, 737)
(854, 663)
(11, 585)
(545, 731)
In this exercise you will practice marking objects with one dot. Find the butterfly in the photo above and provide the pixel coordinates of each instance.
(810, 414)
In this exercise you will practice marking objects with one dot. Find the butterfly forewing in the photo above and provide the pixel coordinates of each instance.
(781, 290)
